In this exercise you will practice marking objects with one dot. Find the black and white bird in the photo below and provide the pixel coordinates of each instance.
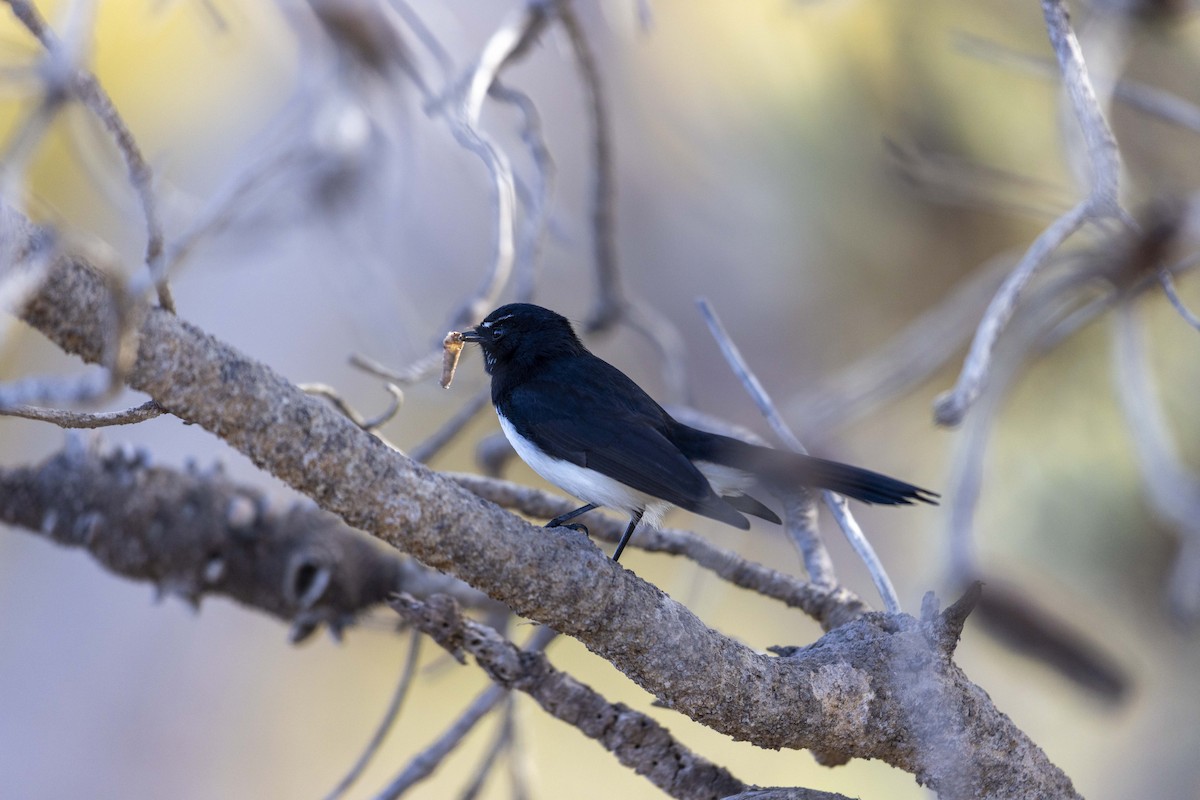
(584, 426)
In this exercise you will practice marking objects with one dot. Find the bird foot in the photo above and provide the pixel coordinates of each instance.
(574, 526)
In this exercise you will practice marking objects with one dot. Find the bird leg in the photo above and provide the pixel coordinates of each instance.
(561, 519)
(633, 523)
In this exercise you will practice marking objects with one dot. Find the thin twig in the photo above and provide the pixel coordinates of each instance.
(645, 15)
(422, 369)
(220, 23)
(665, 337)
(610, 298)
(389, 718)
(222, 209)
(506, 45)
(799, 510)
(965, 475)
(91, 94)
(836, 504)
(501, 741)
(611, 303)
(78, 419)
(1102, 201)
(97, 100)
(423, 764)
(1042, 322)
(425, 36)
(520, 764)
(23, 143)
(537, 205)
(1102, 152)
(94, 386)
(800, 522)
(1129, 286)
(951, 180)
(637, 740)
(1168, 285)
(429, 448)
(371, 424)
(519, 759)
(741, 370)
(907, 359)
(950, 407)
(1143, 97)
(1172, 490)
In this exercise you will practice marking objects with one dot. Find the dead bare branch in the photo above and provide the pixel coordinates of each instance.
(554, 578)
(1102, 202)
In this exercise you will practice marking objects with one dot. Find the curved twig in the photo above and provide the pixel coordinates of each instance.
(1102, 201)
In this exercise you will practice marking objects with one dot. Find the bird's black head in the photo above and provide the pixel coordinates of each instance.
(522, 334)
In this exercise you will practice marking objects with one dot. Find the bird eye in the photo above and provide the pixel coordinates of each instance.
(497, 333)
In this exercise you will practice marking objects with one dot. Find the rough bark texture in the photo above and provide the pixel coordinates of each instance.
(879, 687)
(196, 533)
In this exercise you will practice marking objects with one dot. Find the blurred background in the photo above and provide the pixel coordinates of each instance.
(824, 172)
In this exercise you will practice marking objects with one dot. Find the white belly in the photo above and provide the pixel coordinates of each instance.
(586, 484)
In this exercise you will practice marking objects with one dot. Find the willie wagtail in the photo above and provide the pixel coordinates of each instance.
(583, 425)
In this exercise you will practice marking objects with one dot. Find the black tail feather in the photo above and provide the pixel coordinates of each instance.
(862, 484)
(779, 466)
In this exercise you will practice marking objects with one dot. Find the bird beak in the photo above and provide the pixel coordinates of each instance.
(472, 335)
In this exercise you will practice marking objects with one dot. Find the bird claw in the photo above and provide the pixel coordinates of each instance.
(573, 526)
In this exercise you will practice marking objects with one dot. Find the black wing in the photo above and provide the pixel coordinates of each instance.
(599, 419)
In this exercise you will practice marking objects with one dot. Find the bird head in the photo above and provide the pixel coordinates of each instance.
(522, 333)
